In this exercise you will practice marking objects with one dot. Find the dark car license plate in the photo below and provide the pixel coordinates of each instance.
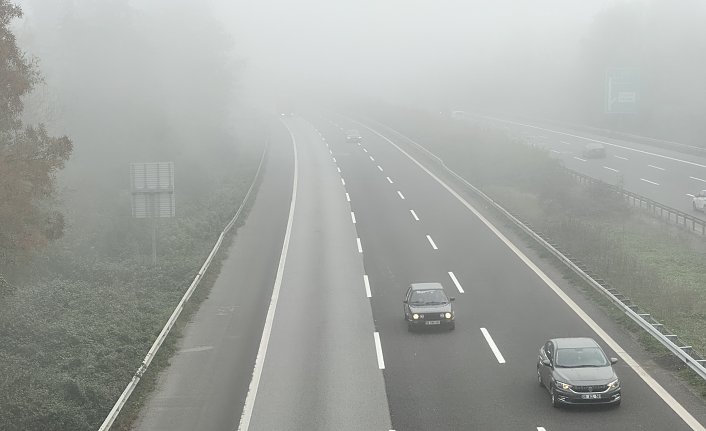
(433, 322)
(591, 396)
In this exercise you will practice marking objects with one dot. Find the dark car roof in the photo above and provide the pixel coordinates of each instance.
(562, 343)
(426, 286)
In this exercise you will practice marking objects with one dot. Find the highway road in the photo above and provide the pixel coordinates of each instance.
(312, 287)
(482, 375)
(669, 177)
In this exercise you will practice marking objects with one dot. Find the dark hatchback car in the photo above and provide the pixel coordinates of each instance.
(577, 371)
(427, 306)
(353, 136)
(594, 150)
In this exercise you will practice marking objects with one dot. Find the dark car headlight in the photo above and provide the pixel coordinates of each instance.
(561, 385)
(448, 315)
(415, 316)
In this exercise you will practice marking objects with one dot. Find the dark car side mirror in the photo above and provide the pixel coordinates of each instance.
(546, 362)
(452, 299)
(404, 302)
(613, 361)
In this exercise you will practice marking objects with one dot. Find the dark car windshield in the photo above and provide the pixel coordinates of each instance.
(428, 297)
(581, 357)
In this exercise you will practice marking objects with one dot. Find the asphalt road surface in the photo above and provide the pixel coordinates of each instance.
(669, 177)
(337, 233)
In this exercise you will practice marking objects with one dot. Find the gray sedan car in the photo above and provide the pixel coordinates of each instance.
(577, 371)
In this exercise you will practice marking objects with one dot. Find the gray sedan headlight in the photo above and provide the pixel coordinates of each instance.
(415, 316)
(614, 384)
(562, 385)
(448, 315)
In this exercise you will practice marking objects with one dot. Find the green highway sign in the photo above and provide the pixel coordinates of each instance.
(621, 91)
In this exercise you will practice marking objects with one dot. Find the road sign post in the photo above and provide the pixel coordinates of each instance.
(152, 187)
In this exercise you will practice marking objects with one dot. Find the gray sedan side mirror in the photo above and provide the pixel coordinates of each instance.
(613, 361)
(546, 362)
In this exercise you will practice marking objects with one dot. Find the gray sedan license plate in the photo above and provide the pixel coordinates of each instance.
(433, 322)
(591, 396)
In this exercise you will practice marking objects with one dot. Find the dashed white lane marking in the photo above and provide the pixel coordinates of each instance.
(343, 181)
(378, 349)
(455, 280)
(629, 361)
(400, 194)
(580, 159)
(334, 160)
(621, 158)
(493, 347)
(372, 159)
(353, 217)
(698, 179)
(330, 152)
(541, 429)
(368, 293)
(360, 246)
(348, 197)
(389, 180)
(364, 150)
(431, 241)
(566, 143)
(338, 169)
(555, 151)
(380, 168)
(611, 169)
(269, 320)
(656, 167)
(414, 215)
(690, 195)
(648, 181)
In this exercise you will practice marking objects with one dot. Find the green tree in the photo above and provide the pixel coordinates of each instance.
(29, 157)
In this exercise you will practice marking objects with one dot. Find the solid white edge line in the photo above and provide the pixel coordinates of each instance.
(431, 241)
(400, 194)
(455, 280)
(414, 215)
(648, 181)
(353, 217)
(493, 347)
(360, 246)
(269, 320)
(378, 350)
(648, 379)
(389, 180)
(368, 293)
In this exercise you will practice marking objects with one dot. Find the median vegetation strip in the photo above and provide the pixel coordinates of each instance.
(658, 266)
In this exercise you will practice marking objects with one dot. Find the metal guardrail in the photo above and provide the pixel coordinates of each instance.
(657, 209)
(115, 411)
(693, 359)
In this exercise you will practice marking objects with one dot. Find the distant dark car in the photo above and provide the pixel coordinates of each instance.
(577, 371)
(594, 150)
(353, 136)
(427, 306)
